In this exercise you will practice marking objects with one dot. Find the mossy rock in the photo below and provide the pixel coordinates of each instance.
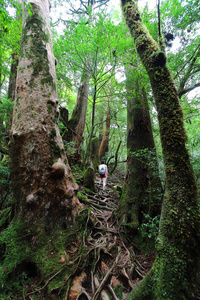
(88, 179)
(118, 190)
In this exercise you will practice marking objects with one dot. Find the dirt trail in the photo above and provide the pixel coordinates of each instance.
(116, 266)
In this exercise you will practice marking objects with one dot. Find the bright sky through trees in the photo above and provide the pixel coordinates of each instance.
(151, 4)
(112, 5)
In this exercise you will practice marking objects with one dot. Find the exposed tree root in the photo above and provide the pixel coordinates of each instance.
(111, 266)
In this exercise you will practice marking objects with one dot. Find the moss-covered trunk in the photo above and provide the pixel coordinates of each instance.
(76, 124)
(142, 191)
(43, 187)
(174, 272)
(40, 172)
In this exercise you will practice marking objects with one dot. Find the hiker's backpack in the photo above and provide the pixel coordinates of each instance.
(102, 171)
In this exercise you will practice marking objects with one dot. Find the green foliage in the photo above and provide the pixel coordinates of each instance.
(6, 107)
(69, 148)
(183, 14)
(191, 113)
(10, 31)
(96, 46)
(4, 174)
(5, 185)
(82, 197)
(118, 290)
(149, 227)
(5, 216)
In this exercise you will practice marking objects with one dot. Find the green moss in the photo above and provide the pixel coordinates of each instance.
(49, 251)
(37, 51)
(118, 289)
(18, 100)
(82, 197)
(132, 225)
(83, 225)
(89, 191)
(32, 255)
(49, 109)
(144, 291)
(158, 58)
(88, 179)
(48, 80)
(5, 215)
(17, 249)
(21, 69)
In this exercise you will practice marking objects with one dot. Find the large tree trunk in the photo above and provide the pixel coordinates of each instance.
(142, 191)
(76, 124)
(173, 275)
(42, 181)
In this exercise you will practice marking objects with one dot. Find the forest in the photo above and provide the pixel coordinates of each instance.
(90, 82)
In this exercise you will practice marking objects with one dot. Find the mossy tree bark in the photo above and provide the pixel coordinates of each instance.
(92, 153)
(43, 186)
(142, 190)
(88, 179)
(76, 125)
(173, 275)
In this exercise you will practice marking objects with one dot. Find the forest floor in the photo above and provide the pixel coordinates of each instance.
(117, 264)
(101, 262)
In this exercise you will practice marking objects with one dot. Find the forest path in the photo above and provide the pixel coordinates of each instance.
(115, 266)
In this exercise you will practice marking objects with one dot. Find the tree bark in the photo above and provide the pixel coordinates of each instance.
(174, 272)
(142, 190)
(116, 158)
(94, 152)
(76, 124)
(13, 75)
(91, 157)
(89, 179)
(43, 186)
(105, 139)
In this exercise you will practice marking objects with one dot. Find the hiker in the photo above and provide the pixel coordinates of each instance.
(103, 173)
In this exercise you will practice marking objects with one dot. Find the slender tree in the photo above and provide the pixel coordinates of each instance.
(105, 138)
(173, 275)
(13, 75)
